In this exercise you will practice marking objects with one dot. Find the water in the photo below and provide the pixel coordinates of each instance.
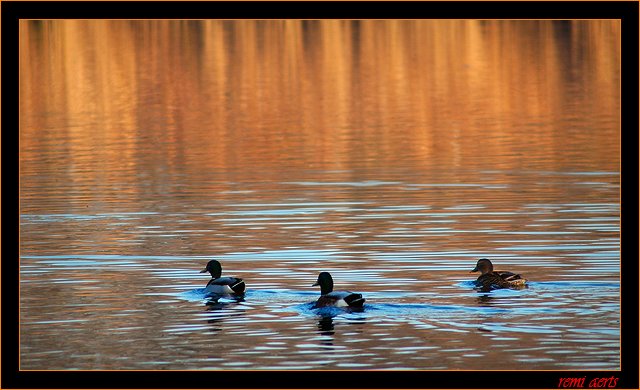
(393, 159)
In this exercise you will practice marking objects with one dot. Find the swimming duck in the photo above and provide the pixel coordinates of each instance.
(490, 279)
(328, 297)
(220, 285)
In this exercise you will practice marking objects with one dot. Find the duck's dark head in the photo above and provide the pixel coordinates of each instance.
(325, 281)
(484, 266)
(214, 268)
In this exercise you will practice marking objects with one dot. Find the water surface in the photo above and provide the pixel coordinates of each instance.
(392, 154)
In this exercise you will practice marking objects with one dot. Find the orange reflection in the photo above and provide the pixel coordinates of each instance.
(202, 96)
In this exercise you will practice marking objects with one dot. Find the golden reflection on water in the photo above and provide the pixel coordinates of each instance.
(331, 94)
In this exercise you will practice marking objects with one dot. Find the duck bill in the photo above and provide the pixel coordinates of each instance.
(474, 270)
(203, 271)
(315, 284)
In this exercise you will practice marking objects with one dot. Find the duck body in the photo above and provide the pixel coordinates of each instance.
(340, 299)
(491, 280)
(328, 297)
(226, 285)
(222, 285)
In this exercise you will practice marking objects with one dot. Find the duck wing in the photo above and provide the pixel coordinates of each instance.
(354, 300)
(341, 299)
(491, 280)
(511, 278)
(226, 285)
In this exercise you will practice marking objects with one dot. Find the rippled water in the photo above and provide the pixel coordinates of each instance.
(124, 202)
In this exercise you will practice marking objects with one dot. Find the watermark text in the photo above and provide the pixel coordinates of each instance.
(582, 382)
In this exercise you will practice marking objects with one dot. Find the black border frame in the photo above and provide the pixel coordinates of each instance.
(12, 11)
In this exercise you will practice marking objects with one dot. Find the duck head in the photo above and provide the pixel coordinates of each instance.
(325, 281)
(214, 268)
(484, 266)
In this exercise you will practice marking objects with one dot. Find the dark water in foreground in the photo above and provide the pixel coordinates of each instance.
(391, 154)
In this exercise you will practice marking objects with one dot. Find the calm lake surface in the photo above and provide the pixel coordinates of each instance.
(393, 154)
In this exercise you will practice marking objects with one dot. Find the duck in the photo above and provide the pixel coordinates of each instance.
(222, 285)
(328, 297)
(490, 279)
